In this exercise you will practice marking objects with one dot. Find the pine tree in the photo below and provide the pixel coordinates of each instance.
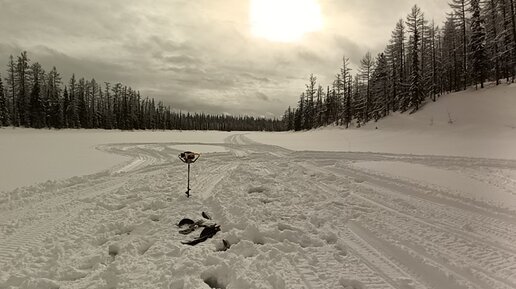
(22, 86)
(346, 94)
(492, 39)
(366, 70)
(414, 21)
(425, 57)
(396, 58)
(73, 110)
(513, 21)
(358, 101)
(309, 115)
(4, 110)
(288, 122)
(477, 46)
(380, 82)
(508, 45)
(459, 12)
(436, 60)
(55, 113)
(36, 105)
(328, 107)
(37, 108)
(319, 107)
(338, 91)
(298, 118)
(11, 91)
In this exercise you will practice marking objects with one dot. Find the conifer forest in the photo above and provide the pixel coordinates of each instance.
(422, 61)
(32, 97)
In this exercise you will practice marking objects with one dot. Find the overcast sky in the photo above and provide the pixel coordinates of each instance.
(197, 55)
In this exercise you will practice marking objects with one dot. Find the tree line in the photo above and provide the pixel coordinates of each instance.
(422, 61)
(32, 97)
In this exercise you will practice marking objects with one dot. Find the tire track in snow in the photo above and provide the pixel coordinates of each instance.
(424, 199)
(439, 228)
(469, 239)
(294, 199)
(33, 235)
(390, 273)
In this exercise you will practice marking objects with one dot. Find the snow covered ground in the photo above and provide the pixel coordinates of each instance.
(296, 214)
(470, 123)
(29, 156)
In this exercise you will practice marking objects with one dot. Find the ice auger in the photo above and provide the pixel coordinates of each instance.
(188, 158)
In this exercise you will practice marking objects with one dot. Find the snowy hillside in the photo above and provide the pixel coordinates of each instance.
(483, 124)
(443, 217)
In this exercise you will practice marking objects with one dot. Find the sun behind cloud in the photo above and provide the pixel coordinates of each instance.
(285, 20)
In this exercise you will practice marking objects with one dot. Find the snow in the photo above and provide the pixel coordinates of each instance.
(322, 216)
(449, 181)
(483, 125)
(200, 148)
(32, 156)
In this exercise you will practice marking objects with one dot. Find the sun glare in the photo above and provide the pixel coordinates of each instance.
(285, 20)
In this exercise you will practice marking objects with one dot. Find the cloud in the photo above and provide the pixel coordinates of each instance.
(262, 96)
(195, 55)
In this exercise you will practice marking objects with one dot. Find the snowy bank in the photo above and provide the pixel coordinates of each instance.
(472, 123)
